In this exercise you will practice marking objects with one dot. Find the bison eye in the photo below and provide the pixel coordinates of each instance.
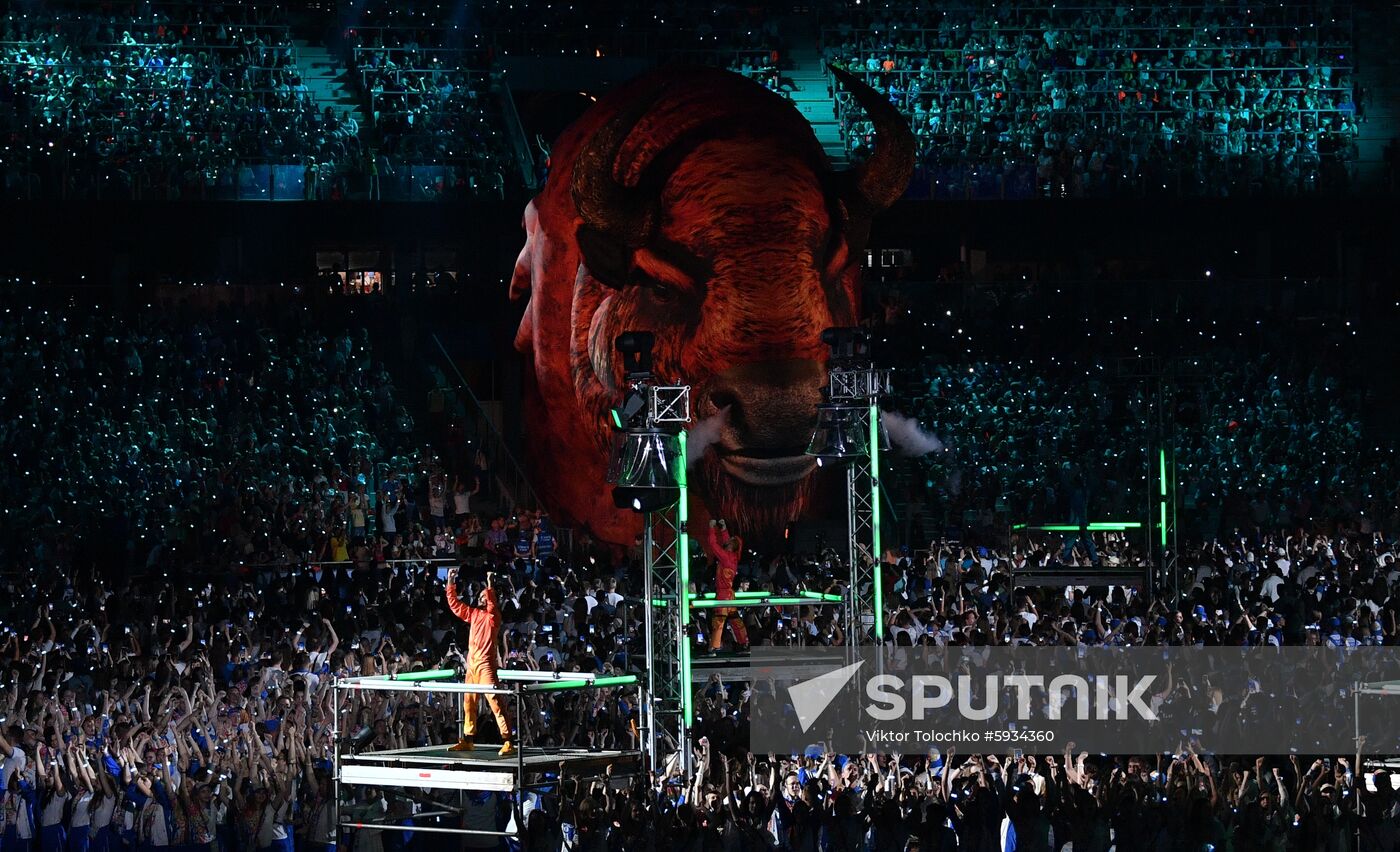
(663, 292)
(660, 291)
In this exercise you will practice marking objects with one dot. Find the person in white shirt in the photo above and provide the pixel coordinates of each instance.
(611, 597)
(53, 801)
(14, 760)
(100, 829)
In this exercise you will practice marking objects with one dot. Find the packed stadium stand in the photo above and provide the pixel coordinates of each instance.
(412, 101)
(1088, 99)
(259, 459)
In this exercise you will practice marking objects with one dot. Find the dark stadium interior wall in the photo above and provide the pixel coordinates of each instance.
(260, 243)
(120, 246)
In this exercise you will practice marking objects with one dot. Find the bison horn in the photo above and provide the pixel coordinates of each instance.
(881, 180)
(617, 219)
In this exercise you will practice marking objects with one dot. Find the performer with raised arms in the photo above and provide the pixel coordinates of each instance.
(724, 549)
(484, 618)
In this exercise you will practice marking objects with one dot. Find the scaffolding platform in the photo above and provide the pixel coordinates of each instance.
(485, 768)
(734, 666)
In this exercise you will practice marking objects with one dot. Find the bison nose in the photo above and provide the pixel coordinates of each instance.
(771, 405)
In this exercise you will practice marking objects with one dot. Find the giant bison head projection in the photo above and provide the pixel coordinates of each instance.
(695, 204)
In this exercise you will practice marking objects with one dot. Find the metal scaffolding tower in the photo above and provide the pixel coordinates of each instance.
(666, 562)
(854, 381)
(656, 418)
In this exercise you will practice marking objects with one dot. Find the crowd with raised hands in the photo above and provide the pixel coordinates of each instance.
(199, 709)
(1099, 99)
(1256, 588)
(202, 711)
(180, 102)
(947, 801)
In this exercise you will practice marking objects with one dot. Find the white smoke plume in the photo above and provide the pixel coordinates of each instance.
(702, 435)
(908, 436)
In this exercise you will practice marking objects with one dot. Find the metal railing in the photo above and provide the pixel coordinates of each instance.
(508, 473)
(515, 130)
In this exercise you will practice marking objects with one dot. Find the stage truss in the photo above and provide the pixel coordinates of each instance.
(857, 382)
(666, 577)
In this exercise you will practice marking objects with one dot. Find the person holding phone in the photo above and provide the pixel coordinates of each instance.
(724, 549)
(484, 619)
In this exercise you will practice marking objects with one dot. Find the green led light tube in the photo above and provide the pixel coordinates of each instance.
(683, 569)
(429, 674)
(1097, 526)
(551, 685)
(742, 602)
(709, 596)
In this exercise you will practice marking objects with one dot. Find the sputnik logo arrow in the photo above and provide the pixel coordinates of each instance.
(810, 698)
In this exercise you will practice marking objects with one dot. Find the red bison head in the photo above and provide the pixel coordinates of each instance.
(695, 204)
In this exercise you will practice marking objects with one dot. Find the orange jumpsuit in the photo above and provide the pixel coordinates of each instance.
(485, 624)
(726, 569)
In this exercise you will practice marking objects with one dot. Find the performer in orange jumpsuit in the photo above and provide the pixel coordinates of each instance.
(725, 549)
(485, 621)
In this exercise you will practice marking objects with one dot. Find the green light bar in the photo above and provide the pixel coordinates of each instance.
(1162, 481)
(551, 685)
(742, 602)
(683, 569)
(875, 550)
(709, 596)
(616, 417)
(660, 603)
(1097, 526)
(823, 596)
(430, 674)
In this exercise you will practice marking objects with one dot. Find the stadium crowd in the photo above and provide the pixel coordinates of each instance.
(433, 102)
(199, 440)
(1261, 412)
(1098, 98)
(1262, 448)
(175, 103)
(1032, 100)
(198, 710)
(284, 529)
(210, 102)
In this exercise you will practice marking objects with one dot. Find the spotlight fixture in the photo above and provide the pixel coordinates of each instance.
(648, 463)
(646, 471)
(839, 435)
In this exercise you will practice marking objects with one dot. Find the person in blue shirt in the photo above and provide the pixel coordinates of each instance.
(19, 814)
(544, 538)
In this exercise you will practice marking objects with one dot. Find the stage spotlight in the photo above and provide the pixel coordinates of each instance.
(840, 434)
(635, 347)
(648, 462)
(646, 471)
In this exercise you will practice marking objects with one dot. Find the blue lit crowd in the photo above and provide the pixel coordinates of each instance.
(221, 511)
(1096, 98)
